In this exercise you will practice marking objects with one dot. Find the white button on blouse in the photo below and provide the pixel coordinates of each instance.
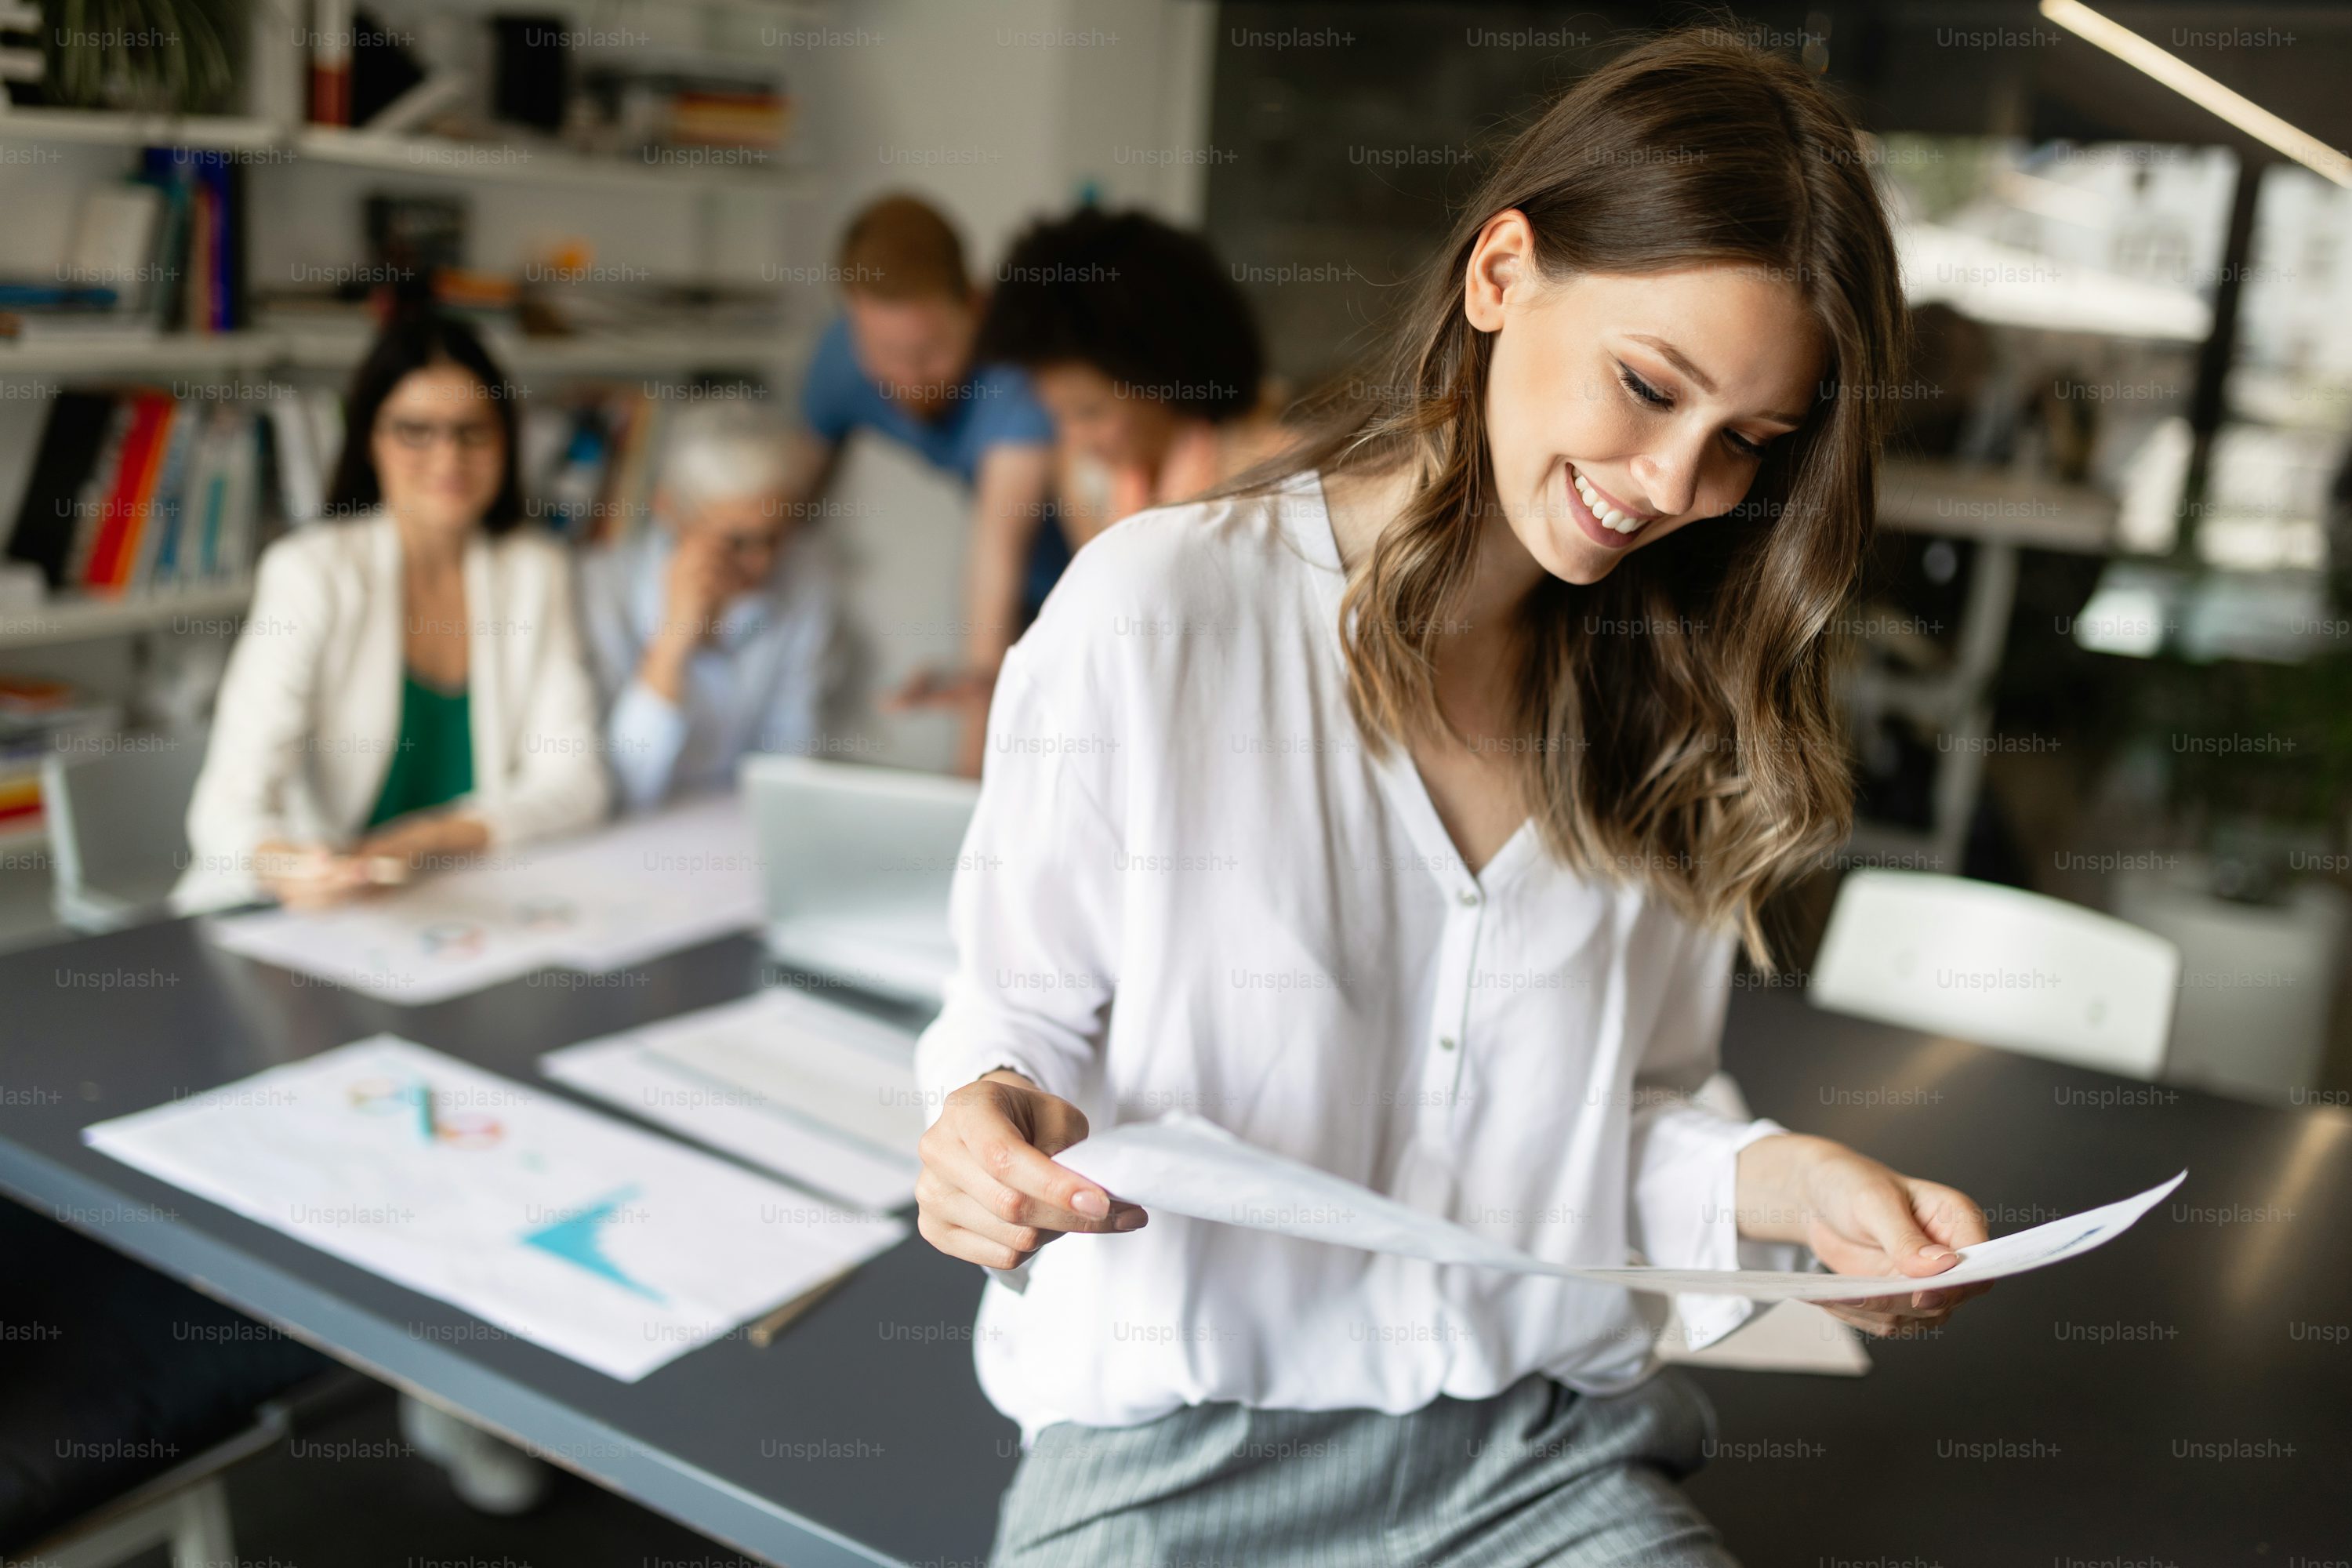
(1190, 884)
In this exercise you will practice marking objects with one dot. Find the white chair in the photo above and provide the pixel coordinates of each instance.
(118, 824)
(1998, 965)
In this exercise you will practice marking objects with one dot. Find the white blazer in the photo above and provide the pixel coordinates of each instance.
(308, 713)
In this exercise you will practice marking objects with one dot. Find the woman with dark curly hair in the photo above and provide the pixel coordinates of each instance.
(1143, 351)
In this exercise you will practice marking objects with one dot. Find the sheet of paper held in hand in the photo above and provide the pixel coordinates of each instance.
(1185, 1164)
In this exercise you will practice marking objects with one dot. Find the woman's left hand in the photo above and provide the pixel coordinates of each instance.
(1861, 1217)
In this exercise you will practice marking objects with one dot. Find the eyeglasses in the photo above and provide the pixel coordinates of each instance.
(467, 435)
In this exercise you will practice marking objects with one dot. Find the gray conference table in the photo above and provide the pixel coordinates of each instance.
(2044, 1422)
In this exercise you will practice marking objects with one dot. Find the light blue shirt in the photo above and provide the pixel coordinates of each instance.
(758, 685)
(993, 406)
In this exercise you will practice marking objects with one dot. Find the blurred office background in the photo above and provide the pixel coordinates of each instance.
(2103, 654)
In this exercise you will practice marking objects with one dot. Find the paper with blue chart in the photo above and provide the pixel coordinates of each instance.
(604, 900)
(614, 1246)
(1186, 1164)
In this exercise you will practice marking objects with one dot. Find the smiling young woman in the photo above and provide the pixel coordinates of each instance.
(1399, 807)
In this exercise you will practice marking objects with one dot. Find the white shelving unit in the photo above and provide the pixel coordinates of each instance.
(78, 619)
(265, 350)
(433, 157)
(99, 355)
(273, 124)
(220, 132)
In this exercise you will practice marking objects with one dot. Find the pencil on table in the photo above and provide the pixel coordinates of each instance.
(784, 1317)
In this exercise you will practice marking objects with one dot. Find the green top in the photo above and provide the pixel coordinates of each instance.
(433, 763)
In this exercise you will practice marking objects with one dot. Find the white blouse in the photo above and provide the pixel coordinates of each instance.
(1189, 883)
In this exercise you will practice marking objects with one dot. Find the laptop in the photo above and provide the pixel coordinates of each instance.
(857, 862)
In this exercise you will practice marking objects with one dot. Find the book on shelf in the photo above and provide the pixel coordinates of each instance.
(135, 491)
(67, 456)
(20, 792)
(113, 243)
(161, 250)
(45, 312)
(332, 24)
(197, 253)
(38, 716)
(306, 432)
(682, 97)
(121, 502)
(209, 259)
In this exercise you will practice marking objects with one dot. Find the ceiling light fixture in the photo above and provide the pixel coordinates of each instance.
(2200, 89)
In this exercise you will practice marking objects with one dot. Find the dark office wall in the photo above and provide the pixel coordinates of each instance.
(1343, 137)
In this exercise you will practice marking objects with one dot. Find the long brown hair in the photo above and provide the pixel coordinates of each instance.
(1704, 758)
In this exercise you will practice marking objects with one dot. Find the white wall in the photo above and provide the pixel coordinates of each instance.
(999, 113)
(999, 110)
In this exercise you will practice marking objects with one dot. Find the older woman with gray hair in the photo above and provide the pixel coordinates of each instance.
(713, 630)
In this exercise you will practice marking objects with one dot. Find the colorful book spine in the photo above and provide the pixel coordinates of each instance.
(331, 62)
(146, 486)
(161, 520)
(89, 504)
(132, 478)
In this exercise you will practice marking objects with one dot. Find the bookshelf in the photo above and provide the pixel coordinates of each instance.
(699, 224)
(272, 141)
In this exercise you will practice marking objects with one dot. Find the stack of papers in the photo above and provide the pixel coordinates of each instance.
(811, 1091)
(1185, 1164)
(604, 1243)
(622, 896)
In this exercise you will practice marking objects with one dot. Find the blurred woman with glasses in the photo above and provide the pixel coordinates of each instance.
(409, 689)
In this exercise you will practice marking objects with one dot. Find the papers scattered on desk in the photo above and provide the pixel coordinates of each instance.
(811, 1091)
(602, 1242)
(1186, 1164)
(622, 896)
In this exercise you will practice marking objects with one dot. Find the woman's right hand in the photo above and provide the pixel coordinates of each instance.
(694, 588)
(308, 875)
(988, 1194)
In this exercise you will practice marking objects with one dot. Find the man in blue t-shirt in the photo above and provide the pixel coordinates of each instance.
(898, 362)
